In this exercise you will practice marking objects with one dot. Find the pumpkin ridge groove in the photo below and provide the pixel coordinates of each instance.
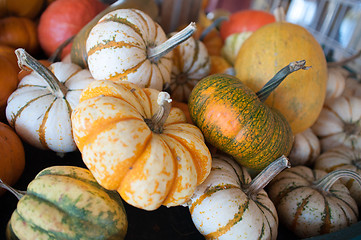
(282, 194)
(237, 218)
(348, 220)
(72, 75)
(123, 75)
(342, 200)
(195, 55)
(110, 44)
(41, 130)
(326, 218)
(18, 113)
(241, 182)
(300, 208)
(264, 207)
(122, 20)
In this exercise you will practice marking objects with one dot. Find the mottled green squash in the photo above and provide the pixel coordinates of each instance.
(234, 120)
(65, 202)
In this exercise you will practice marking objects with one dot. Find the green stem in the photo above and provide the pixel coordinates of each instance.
(26, 61)
(155, 53)
(18, 194)
(267, 174)
(216, 23)
(279, 77)
(326, 182)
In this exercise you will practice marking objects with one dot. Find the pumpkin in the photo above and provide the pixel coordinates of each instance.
(191, 62)
(19, 32)
(65, 202)
(184, 107)
(8, 82)
(63, 19)
(352, 87)
(78, 52)
(40, 108)
(211, 39)
(312, 202)
(305, 149)
(12, 161)
(134, 142)
(339, 123)
(127, 45)
(9, 53)
(342, 157)
(300, 99)
(220, 65)
(336, 82)
(228, 205)
(21, 8)
(235, 120)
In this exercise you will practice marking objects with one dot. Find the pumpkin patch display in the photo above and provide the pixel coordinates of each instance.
(127, 45)
(300, 99)
(312, 202)
(66, 202)
(339, 123)
(235, 120)
(191, 62)
(134, 142)
(78, 52)
(40, 108)
(228, 205)
(12, 161)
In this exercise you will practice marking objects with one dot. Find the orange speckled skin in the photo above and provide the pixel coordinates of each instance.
(148, 169)
(235, 121)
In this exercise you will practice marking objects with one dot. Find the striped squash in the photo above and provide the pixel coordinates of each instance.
(40, 108)
(134, 142)
(65, 202)
(343, 157)
(126, 44)
(312, 202)
(228, 205)
(191, 63)
(235, 121)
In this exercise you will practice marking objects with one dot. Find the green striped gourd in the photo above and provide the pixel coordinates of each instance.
(235, 120)
(127, 45)
(66, 202)
(228, 205)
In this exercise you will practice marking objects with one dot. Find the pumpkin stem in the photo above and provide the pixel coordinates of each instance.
(279, 77)
(344, 61)
(216, 23)
(56, 55)
(155, 53)
(159, 118)
(18, 194)
(26, 62)
(328, 180)
(267, 174)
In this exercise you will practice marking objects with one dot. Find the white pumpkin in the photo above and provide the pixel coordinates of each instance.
(335, 82)
(40, 108)
(191, 63)
(227, 205)
(127, 45)
(305, 149)
(352, 87)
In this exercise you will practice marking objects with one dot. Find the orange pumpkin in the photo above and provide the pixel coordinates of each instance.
(21, 8)
(134, 142)
(12, 161)
(19, 32)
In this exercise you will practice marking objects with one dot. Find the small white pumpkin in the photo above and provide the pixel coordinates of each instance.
(339, 123)
(228, 205)
(41, 107)
(305, 149)
(335, 82)
(352, 87)
(312, 202)
(343, 157)
(127, 45)
(191, 62)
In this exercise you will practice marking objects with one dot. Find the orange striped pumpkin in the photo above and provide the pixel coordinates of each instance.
(129, 145)
(127, 44)
(40, 108)
(228, 205)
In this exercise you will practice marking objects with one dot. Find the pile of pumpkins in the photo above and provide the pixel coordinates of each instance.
(244, 124)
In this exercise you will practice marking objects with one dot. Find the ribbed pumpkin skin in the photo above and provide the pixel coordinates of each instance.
(301, 96)
(307, 211)
(234, 120)
(41, 118)
(147, 168)
(220, 208)
(65, 202)
(191, 63)
(117, 49)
